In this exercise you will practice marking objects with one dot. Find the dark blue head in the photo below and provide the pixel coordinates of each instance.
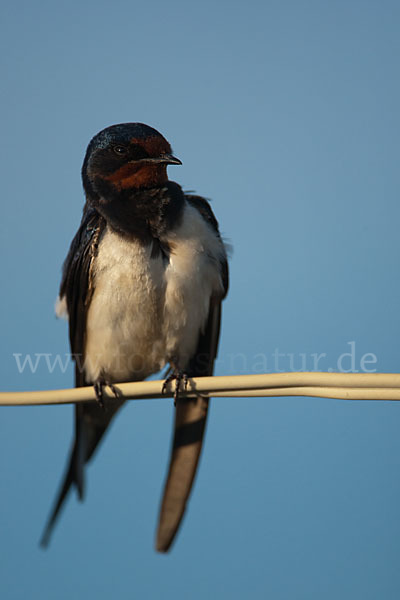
(128, 155)
(124, 133)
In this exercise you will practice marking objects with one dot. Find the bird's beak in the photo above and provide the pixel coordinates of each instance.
(163, 159)
(169, 159)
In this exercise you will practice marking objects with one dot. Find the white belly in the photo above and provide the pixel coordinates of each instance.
(146, 312)
(123, 333)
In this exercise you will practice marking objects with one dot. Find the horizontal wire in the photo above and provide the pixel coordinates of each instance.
(346, 386)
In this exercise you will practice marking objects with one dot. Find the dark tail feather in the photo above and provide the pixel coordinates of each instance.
(73, 476)
(91, 422)
(190, 422)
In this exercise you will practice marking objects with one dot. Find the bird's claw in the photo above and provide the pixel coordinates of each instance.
(99, 390)
(176, 376)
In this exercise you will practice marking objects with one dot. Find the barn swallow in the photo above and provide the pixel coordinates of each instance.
(142, 287)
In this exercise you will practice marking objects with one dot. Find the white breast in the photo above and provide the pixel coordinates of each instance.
(192, 277)
(146, 312)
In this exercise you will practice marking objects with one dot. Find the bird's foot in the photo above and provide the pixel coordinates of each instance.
(177, 375)
(99, 386)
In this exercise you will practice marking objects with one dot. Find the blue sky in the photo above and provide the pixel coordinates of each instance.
(286, 115)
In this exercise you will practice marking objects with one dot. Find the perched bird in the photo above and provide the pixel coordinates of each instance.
(142, 288)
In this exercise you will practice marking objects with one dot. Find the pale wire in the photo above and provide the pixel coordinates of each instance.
(343, 386)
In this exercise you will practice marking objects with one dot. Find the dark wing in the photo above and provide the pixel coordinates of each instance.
(90, 420)
(77, 283)
(191, 415)
(204, 209)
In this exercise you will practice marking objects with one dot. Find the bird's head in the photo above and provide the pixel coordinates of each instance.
(126, 156)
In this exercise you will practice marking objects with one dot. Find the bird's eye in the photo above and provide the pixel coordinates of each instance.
(120, 150)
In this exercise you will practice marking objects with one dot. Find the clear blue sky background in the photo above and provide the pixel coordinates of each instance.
(286, 114)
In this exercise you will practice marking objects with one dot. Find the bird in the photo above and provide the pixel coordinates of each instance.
(142, 287)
